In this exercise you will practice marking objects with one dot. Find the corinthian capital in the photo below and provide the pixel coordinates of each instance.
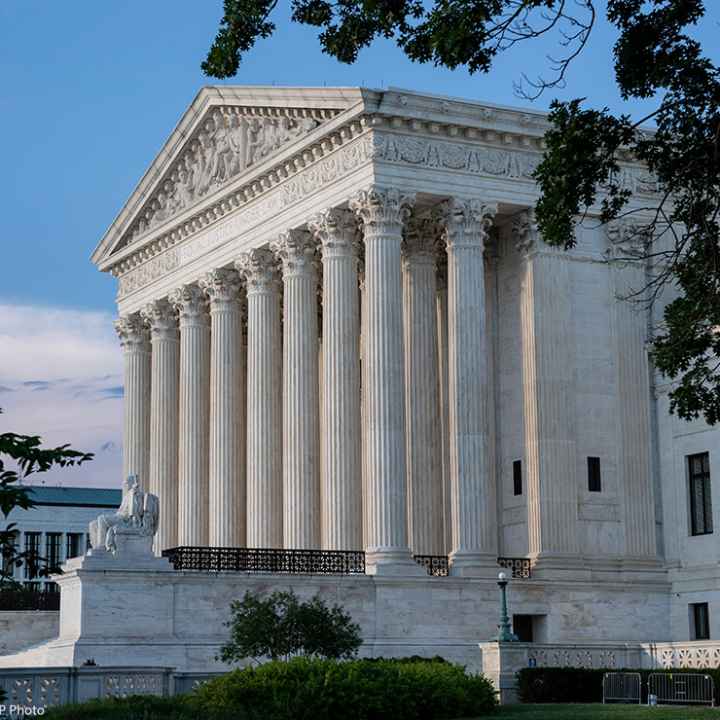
(222, 286)
(384, 207)
(421, 238)
(133, 333)
(467, 222)
(259, 268)
(297, 253)
(524, 232)
(162, 319)
(190, 302)
(337, 231)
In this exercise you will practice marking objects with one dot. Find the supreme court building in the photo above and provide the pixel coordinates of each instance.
(343, 332)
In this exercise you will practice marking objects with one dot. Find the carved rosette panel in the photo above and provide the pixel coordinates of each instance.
(227, 142)
(467, 222)
(627, 239)
(133, 332)
(259, 268)
(297, 253)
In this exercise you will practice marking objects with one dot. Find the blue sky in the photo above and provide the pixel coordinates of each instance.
(90, 91)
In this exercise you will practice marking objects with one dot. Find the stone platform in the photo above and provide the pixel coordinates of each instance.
(144, 613)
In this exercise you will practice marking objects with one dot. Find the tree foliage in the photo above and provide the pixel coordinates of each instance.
(21, 456)
(655, 57)
(279, 627)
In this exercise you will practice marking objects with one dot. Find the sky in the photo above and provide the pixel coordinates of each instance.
(89, 92)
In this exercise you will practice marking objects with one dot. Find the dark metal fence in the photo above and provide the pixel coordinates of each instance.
(20, 599)
(436, 565)
(314, 562)
(521, 568)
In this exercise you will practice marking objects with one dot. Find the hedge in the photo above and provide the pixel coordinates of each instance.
(582, 685)
(306, 689)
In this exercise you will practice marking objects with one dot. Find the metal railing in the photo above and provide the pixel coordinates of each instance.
(622, 687)
(22, 599)
(520, 568)
(435, 565)
(249, 560)
(682, 688)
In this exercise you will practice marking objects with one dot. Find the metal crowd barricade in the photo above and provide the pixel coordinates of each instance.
(682, 688)
(622, 687)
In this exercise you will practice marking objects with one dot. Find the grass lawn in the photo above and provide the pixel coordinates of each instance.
(604, 712)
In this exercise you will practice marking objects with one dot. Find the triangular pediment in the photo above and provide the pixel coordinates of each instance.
(226, 133)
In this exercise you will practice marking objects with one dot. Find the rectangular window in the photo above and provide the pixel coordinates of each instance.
(74, 545)
(517, 477)
(700, 500)
(700, 621)
(32, 550)
(594, 482)
(53, 549)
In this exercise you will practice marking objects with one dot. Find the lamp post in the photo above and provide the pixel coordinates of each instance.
(505, 634)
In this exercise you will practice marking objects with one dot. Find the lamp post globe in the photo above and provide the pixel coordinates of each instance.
(505, 633)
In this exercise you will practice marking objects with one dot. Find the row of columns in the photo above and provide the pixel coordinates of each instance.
(255, 477)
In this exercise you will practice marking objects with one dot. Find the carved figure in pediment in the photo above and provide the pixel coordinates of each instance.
(223, 156)
(238, 137)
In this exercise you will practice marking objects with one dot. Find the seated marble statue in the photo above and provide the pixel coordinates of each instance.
(138, 513)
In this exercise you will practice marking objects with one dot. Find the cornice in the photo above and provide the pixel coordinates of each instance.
(498, 143)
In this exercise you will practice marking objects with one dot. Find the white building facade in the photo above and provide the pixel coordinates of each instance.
(342, 331)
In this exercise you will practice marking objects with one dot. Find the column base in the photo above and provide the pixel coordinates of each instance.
(467, 563)
(391, 561)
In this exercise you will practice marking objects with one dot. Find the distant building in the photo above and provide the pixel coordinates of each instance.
(57, 527)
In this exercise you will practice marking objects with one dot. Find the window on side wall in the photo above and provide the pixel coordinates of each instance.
(701, 522)
(699, 621)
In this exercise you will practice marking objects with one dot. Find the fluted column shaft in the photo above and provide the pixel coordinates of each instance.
(425, 499)
(264, 398)
(301, 402)
(383, 213)
(630, 322)
(194, 415)
(550, 447)
(135, 343)
(227, 409)
(473, 495)
(165, 340)
(442, 323)
(342, 490)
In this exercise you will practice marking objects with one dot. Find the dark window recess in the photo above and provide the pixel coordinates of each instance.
(74, 546)
(594, 482)
(700, 621)
(517, 477)
(701, 522)
(523, 627)
(32, 549)
(53, 545)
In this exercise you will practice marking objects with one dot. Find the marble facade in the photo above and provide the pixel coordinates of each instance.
(342, 330)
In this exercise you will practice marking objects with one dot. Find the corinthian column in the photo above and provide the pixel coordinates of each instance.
(165, 340)
(190, 302)
(442, 323)
(301, 408)
(547, 371)
(630, 323)
(227, 408)
(472, 494)
(425, 517)
(342, 492)
(383, 213)
(135, 343)
(264, 398)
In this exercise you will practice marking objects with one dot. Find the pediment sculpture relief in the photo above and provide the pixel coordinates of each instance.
(228, 142)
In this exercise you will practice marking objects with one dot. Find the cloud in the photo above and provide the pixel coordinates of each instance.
(61, 378)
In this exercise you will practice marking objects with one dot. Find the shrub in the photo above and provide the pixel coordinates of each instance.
(137, 707)
(280, 626)
(584, 685)
(353, 690)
